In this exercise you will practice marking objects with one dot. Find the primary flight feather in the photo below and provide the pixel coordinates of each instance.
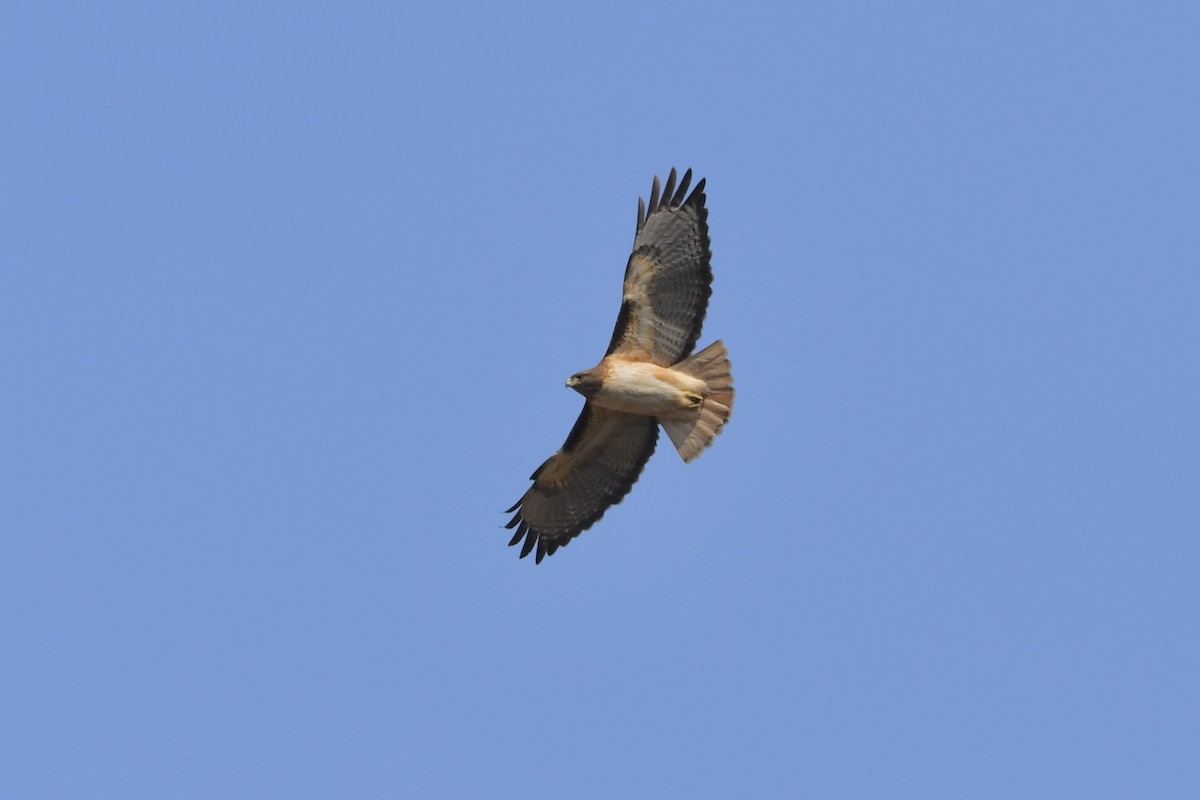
(648, 378)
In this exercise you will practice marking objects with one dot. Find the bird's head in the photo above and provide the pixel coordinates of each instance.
(587, 383)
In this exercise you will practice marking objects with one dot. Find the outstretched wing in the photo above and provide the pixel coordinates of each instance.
(596, 467)
(668, 279)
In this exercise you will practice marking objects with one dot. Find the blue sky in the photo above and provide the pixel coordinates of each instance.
(288, 298)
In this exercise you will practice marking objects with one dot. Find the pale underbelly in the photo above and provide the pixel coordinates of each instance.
(649, 389)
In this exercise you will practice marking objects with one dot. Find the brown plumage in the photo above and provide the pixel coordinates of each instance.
(647, 377)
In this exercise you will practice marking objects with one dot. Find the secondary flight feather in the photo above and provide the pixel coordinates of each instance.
(649, 377)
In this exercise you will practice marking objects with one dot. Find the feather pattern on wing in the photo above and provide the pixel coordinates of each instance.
(596, 467)
(668, 278)
(668, 282)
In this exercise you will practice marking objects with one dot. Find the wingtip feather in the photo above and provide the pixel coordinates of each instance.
(530, 539)
(669, 189)
(681, 193)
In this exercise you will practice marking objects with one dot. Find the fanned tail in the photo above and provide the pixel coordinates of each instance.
(696, 431)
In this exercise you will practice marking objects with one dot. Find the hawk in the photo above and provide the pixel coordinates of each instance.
(648, 377)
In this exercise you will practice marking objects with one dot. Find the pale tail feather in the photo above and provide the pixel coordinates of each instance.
(693, 433)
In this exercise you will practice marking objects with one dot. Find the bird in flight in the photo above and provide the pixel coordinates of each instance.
(648, 377)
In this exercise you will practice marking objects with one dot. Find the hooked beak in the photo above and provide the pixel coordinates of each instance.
(571, 381)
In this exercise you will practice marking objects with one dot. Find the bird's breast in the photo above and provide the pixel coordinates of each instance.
(640, 387)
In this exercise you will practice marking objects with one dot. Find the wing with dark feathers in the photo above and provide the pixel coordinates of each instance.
(668, 279)
(596, 467)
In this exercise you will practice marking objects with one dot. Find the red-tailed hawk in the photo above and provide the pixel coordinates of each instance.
(647, 378)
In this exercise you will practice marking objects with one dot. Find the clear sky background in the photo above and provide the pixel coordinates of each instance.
(289, 293)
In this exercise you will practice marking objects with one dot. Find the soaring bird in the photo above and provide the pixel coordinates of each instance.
(648, 377)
